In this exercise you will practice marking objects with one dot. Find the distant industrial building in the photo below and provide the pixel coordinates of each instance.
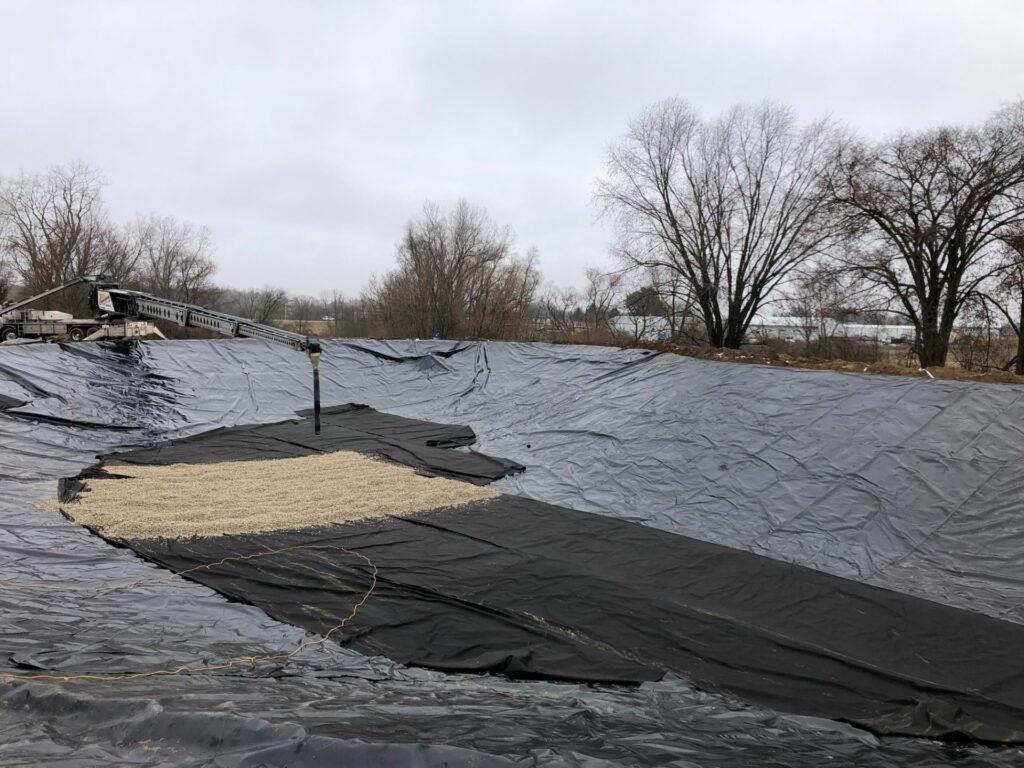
(795, 328)
(777, 328)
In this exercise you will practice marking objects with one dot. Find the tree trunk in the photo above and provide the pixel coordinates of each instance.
(712, 326)
(933, 347)
(733, 339)
(1019, 368)
(934, 331)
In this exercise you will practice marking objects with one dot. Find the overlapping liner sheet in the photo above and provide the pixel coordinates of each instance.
(594, 427)
(349, 427)
(519, 587)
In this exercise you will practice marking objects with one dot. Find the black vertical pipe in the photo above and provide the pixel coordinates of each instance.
(313, 345)
(316, 401)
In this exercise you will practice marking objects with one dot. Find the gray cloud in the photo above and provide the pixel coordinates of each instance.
(306, 134)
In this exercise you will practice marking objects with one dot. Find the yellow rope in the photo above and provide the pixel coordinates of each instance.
(185, 670)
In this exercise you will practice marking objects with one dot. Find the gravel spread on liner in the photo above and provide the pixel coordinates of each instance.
(189, 500)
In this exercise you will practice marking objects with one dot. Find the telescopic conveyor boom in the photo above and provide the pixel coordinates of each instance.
(121, 301)
(110, 299)
(111, 302)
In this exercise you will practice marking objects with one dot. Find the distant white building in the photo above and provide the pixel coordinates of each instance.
(643, 327)
(795, 328)
(762, 329)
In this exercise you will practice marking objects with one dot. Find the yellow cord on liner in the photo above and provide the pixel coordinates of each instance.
(186, 670)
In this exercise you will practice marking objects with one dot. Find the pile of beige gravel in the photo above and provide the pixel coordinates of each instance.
(189, 500)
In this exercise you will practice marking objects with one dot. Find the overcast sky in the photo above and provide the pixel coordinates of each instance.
(306, 134)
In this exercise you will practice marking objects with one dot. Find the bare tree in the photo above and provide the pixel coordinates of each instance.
(499, 302)
(359, 320)
(932, 206)
(681, 316)
(54, 228)
(560, 311)
(1007, 294)
(303, 310)
(975, 342)
(120, 252)
(335, 309)
(5, 281)
(264, 305)
(346, 317)
(731, 206)
(602, 295)
(176, 260)
(819, 298)
(6, 276)
(456, 276)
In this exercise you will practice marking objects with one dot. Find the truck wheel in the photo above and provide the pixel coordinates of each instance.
(8, 334)
(76, 334)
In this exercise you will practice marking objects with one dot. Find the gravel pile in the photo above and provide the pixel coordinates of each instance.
(189, 500)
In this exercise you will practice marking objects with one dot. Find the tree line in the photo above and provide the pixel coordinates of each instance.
(54, 227)
(717, 221)
(735, 211)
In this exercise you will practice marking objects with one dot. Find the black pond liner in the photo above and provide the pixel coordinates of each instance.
(9, 402)
(521, 588)
(418, 444)
(909, 484)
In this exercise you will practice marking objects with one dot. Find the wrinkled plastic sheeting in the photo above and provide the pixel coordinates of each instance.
(908, 483)
(422, 445)
(277, 715)
(912, 484)
(226, 723)
(594, 427)
(513, 586)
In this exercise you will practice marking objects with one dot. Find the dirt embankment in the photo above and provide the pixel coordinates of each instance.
(762, 356)
(755, 357)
